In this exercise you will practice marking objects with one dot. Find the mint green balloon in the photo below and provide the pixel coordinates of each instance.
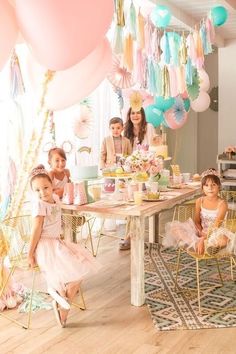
(163, 104)
(161, 16)
(153, 115)
(219, 15)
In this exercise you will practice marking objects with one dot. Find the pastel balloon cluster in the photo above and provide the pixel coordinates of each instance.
(172, 112)
(67, 36)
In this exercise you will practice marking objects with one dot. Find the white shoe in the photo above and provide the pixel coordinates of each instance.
(59, 299)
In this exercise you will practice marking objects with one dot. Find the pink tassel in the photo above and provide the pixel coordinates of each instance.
(16, 79)
(139, 67)
(191, 48)
(210, 31)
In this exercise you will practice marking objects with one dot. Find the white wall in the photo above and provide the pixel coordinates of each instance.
(227, 96)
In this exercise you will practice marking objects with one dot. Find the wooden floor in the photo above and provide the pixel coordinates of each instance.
(110, 324)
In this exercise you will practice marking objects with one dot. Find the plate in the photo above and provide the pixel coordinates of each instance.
(155, 200)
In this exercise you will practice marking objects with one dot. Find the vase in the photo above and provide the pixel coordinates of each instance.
(229, 155)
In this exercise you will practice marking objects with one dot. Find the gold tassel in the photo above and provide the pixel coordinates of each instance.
(183, 50)
(165, 82)
(120, 13)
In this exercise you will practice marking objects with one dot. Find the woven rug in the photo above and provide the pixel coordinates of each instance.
(171, 310)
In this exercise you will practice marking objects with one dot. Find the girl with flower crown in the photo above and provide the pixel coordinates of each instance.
(210, 213)
(63, 263)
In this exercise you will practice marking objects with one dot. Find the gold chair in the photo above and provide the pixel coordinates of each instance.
(73, 226)
(182, 213)
(16, 232)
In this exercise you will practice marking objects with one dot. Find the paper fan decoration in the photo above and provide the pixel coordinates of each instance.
(176, 117)
(82, 124)
(194, 88)
(119, 76)
(136, 101)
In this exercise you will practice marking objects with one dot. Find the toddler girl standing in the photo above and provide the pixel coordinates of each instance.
(58, 174)
(63, 263)
(210, 213)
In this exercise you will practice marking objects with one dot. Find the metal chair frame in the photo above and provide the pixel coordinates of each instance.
(182, 213)
(17, 231)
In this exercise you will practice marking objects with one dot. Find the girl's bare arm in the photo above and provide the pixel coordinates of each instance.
(35, 236)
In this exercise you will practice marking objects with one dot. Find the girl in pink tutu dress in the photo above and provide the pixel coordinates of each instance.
(210, 213)
(63, 263)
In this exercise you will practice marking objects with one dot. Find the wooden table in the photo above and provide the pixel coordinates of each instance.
(135, 216)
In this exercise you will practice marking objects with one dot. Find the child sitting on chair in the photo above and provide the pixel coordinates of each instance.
(63, 263)
(210, 214)
(58, 174)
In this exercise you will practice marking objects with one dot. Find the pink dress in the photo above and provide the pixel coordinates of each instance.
(57, 183)
(184, 234)
(61, 261)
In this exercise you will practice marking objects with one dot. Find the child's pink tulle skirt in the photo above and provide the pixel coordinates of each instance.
(63, 262)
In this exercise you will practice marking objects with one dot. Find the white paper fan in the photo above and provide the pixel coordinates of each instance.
(82, 124)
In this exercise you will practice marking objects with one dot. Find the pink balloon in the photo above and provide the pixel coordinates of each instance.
(201, 103)
(171, 120)
(8, 30)
(72, 85)
(204, 80)
(63, 32)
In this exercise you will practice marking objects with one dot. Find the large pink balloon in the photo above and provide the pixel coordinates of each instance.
(63, 32)
(172, 121)
(201, 103)
(8, 30)
(72, 85)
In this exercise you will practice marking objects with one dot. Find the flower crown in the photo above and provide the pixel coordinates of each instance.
(209, 172)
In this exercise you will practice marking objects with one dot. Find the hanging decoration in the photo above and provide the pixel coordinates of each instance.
(193, 89)
(154, 115)
(119, 76)
(201, 103)
(163, 62)
(16, 80)
(136, 101)
(118, 92)
(163, 104)
(82, 125)
(176, 117)
(219, 15)
(160, 16)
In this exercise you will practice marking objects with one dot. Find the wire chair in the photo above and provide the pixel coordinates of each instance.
(73, 226)
(183, 213)
(17, 232)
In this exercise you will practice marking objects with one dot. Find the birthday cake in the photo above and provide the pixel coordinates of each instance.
(160, 150)
(158, 145)
(84, 172)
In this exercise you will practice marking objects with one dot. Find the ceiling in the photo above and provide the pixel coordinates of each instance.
(188, 13)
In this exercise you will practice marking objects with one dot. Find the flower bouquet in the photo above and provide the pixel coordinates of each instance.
(145, 164)
(230, 151)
